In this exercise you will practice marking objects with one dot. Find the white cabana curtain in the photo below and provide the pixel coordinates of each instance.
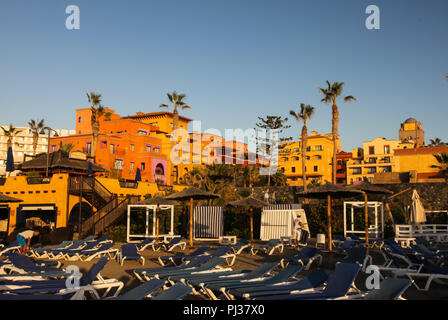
(418, 211)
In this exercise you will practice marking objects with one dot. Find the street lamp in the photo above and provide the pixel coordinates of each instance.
(48, 144)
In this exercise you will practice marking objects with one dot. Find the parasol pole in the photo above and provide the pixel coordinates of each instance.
(251, 227)
(191, 222)
(366, 212)
(157, 223)
(330, 246)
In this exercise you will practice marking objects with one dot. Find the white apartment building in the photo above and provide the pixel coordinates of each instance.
(22, 144)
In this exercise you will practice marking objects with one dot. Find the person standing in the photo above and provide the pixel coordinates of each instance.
(266, 196)
(274, 200)
(24, 239)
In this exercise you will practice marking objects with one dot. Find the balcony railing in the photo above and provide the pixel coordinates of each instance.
(128, 184)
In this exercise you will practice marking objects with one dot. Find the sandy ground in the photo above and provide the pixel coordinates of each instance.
(249, 262)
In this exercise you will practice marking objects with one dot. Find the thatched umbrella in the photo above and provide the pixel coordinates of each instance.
(252, 203)
(191, 194)
(158, 200)
(5, 199)
(329, 191)
(368, 188)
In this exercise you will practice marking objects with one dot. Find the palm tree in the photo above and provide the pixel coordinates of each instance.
(10, 133)
(331, 94)
(176, 101)
(442, 159)
(436, 142)
(306, 112)
(67, 147)
(35, 127)
(97, 111)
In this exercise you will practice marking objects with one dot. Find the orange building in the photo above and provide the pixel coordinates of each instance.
(123, 146)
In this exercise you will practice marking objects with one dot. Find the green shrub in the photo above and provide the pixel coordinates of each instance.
(117, 233)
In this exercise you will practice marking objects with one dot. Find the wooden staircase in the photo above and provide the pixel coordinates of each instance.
(109, 208)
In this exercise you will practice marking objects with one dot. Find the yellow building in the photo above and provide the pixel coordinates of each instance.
(377, 157)
(418, 163)
(56, 200)
(319, 156)
(411, 130)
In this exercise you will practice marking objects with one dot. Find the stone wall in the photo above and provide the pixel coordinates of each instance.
(434, 195)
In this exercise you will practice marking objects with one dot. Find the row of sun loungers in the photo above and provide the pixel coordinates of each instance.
(208, 272)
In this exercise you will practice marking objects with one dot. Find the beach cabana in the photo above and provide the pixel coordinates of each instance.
(192, 194)
(367, 188)
(160, 201)
(155, 204)
(329, 191)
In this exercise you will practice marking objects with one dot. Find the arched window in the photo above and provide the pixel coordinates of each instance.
(159, 169)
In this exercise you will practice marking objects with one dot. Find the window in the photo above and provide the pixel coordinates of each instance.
(371, 170)
(296, 149)
(372, 160)
(295, 159)
(371, 150)
(282, 169)
(318, 148)
(315, 168)
(118, 164)
(103, 144)
(156, 149)
(387, 159)
(148, 148)
(356, 170)
(89, 148)
(386, 149)
(318, 158)
(285, 159)
(143, 166)
(308, 149)
(307, 158)
(142, 132)
(132, 148)
(387, 169)
(79, 119)
(293, 169)
(131, 166)
(112, 148)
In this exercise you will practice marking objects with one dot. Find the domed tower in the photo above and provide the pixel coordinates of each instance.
(411, 130)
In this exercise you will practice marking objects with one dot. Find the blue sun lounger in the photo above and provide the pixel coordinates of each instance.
(169, 246)
(147, 242)
(209, 266)
(357, 255)
(145, 290)
(41, 252)
(390, 289)
(14, 246)
(16, 297)
(104, 249)
(268, 247)
(306, 256)
(23, 264)
(310, 282)
(176, 292)
(129, 252)
(282, 276)
(146, 273)
(90, 282)
(180, 258)
(338, 285)
(214, 284)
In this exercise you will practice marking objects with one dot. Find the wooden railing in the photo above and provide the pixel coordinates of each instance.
(107, 215)
(437, 232)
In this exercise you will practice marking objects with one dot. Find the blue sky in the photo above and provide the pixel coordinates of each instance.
(235, 60)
